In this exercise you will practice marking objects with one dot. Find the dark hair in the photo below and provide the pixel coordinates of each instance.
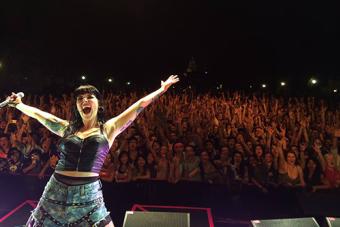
(136, 163)
(242, 168)
(316, 175)
(76, 121)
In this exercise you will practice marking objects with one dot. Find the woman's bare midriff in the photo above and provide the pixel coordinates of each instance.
(77, 173)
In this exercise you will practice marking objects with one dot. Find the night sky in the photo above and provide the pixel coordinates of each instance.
(144, 40)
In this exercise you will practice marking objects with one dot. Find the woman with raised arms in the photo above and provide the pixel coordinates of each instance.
(73, 195)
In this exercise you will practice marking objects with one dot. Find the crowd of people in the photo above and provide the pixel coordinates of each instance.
(233, 139)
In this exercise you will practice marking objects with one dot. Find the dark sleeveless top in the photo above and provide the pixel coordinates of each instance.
(83, 155)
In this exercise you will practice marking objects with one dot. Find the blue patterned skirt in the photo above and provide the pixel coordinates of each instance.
(64, 205)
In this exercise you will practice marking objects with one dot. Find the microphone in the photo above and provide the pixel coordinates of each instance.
(4, 103)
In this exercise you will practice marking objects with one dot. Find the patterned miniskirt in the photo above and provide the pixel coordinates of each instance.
(64, 205)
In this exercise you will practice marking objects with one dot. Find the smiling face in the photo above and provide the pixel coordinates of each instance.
(291, 158)
(87, 106)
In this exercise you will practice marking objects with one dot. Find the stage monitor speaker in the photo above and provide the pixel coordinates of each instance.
(292, 222)
(333, 222)
(156, 219)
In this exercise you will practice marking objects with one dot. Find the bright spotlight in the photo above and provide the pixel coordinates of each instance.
(83, 77)
(283, 83)
(128, 83)
(110, 80)
(313, 81)
(264, 85)
(335, 90)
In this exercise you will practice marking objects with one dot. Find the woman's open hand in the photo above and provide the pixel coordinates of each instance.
(170, 81)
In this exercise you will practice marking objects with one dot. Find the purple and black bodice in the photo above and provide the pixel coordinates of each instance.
(83, 155)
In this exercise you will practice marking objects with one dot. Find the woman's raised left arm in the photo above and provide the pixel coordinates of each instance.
(116, 125)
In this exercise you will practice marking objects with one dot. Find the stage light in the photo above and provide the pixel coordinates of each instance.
(313, 81)
(110, 80)
(250, 86)
(264, 85)
(283, 83)
(83, 77)
(128, 83)
(335, 90)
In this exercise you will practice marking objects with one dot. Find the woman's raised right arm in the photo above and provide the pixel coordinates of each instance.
(51, 122)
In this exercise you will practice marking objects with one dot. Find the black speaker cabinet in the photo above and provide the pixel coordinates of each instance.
(293, 222)
(156, 219)
(333, 222)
